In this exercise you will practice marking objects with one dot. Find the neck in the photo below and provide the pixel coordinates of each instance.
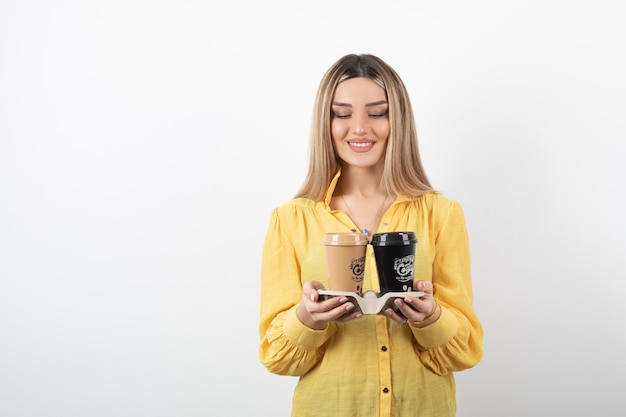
(365, 213)
(360, 182)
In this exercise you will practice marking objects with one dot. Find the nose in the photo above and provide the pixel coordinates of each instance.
(360, 124)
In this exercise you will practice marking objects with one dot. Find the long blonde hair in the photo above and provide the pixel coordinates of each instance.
(403, 172)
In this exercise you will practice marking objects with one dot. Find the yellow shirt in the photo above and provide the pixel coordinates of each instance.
(370, 366)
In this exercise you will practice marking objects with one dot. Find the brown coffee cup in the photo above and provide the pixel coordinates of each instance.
(345, 261)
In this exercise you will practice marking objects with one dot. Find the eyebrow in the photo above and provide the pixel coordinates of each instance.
(376, 103)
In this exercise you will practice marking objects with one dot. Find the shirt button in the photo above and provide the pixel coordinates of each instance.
(384, 348)
(385, 390)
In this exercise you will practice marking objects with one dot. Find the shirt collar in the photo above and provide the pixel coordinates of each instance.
(333, 185)
(331, 188)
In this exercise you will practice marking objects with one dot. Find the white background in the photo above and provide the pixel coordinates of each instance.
(143, 145)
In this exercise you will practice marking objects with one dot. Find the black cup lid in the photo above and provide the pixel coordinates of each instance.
(393, 239)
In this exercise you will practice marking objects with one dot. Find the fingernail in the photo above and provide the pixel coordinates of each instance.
(343, 300)
(349, 307)
(312, 297)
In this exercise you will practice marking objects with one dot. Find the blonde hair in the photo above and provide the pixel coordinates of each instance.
(403, 172)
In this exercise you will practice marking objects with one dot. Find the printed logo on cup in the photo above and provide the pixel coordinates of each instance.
(357, 266)
(404, 268)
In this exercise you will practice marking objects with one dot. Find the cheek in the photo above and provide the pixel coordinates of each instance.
(337, 130)
(382, 131)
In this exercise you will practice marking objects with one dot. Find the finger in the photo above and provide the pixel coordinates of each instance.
(342, 312)
(309, 296)
(309, 290)
(323, 306)
(351, 314)
(415, 309)
(404, 310)
(425, 286)
(395, 316)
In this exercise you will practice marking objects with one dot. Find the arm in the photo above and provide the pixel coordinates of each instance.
(288, 347)
(454, 341)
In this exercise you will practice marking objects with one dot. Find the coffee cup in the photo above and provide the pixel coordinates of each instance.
(394, 253)
(345, 261)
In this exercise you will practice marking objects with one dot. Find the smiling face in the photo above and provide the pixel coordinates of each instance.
(360, 122)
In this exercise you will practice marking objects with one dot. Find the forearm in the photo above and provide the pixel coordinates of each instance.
(288, 347)
(450, 344)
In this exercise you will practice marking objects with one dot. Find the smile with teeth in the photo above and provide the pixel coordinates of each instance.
(360, 144)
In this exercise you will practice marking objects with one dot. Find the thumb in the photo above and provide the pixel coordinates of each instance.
(310, 290)
(425, 286)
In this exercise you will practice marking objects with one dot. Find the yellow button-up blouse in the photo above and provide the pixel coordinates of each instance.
(369, 366)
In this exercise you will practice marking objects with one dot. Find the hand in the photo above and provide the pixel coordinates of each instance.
(317, 314)
(413, 308)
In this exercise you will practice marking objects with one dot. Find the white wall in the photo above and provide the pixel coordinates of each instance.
(143, 145)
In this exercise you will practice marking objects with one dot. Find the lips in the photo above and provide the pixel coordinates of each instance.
(361, 145)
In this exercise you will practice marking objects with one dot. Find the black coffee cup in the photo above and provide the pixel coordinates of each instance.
(394, 253)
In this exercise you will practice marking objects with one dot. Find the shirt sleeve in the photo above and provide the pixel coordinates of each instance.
(454, 342)
(287, 347)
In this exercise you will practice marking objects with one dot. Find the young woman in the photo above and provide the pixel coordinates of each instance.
(365, 173)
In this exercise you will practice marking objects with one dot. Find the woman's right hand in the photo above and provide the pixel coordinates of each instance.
(317, 314)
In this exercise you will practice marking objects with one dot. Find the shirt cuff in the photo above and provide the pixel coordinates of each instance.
(438, 333)
(304, 336)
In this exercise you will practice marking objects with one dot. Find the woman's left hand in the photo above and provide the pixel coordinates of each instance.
(413, 308)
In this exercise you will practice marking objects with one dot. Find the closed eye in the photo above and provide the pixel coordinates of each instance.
(373, 115)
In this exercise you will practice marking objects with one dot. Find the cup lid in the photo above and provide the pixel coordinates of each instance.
(393, 239)
(345, 239)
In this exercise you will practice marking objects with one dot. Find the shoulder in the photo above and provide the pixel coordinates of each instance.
(294, 209)
(436, 207)
(297, 204)
(288, 220)
(435, 201)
